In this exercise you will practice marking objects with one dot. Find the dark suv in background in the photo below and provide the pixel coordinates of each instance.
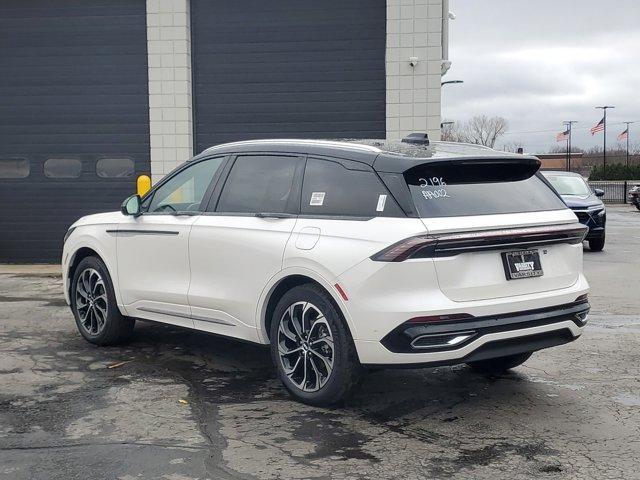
(584, 202)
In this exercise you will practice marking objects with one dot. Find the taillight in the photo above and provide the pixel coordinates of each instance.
(400, 251)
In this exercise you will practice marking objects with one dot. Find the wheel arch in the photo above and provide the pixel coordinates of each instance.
(84, 247)
(285, 282)
(77, 256)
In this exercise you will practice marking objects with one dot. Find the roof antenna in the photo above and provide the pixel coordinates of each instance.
(416, 139)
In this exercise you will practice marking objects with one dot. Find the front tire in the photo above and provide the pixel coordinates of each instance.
(93, 302)
(596, 244)
(496, 366)
(311, 347)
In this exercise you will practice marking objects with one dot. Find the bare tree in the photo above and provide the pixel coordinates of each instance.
(484, 130)
(563, 149)
(481, 130)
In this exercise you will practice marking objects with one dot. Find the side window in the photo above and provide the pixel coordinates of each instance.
(331, 189)
(184, 191)
(258, 183)
(62, 168)
(14, 168)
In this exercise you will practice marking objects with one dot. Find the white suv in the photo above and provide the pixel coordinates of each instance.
(340, 255)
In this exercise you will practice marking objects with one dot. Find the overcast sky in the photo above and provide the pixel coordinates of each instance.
(539, 62)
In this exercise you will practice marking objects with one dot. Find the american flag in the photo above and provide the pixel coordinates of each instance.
(598, 128)
(562, 136)
(624, 134)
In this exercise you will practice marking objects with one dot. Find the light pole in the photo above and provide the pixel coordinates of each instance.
(604, 153)
(448, 82)
(569, 124)
(628, 123)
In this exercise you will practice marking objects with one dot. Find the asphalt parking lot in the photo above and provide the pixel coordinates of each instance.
(177, 404)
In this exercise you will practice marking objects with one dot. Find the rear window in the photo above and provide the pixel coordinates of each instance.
(454, 189)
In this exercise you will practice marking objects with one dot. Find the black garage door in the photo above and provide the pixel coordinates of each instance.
(288, 68)
(74, 119)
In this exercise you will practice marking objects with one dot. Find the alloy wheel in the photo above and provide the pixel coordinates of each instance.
(91, 301)
(305, 346)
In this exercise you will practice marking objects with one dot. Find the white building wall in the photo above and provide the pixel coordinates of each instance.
(170, 99)
(414, 29)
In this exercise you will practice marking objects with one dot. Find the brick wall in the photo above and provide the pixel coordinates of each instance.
(414, 29)
(170, 104)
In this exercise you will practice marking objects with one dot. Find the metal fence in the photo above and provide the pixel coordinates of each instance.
(615, 191)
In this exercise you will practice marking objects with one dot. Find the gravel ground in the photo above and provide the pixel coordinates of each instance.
(177, 404)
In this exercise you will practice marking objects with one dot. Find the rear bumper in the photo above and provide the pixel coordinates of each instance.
(482, 337)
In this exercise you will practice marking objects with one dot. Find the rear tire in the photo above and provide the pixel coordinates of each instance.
(93, 303)
(596, 244)
(499, 365)
(311, 347)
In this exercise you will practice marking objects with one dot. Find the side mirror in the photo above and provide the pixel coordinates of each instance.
(131, 206)
(599, 192)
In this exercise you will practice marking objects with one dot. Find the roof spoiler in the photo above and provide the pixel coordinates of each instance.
(500, 167)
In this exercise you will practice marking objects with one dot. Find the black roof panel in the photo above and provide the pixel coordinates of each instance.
(387, 155)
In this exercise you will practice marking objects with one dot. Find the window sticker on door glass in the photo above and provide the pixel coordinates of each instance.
(317, 199)
(382, 199)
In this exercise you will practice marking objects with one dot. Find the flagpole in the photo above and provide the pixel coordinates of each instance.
(628, 132)
(569, 124)
(569, 150)
(604, 153)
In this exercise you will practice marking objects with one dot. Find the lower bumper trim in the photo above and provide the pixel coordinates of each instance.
(496, 349)
(403, 338)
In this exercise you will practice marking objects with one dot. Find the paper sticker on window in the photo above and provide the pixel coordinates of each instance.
(317, 199)
(382, 199)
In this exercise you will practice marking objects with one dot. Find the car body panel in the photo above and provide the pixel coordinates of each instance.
(459, 276)
(90, 232)
(226, 287)
(153, 267)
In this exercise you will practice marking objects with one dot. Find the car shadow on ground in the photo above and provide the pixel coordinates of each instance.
(204, 359)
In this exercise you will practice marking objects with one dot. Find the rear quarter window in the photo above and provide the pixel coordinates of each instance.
(458, 190)
(331, 189)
